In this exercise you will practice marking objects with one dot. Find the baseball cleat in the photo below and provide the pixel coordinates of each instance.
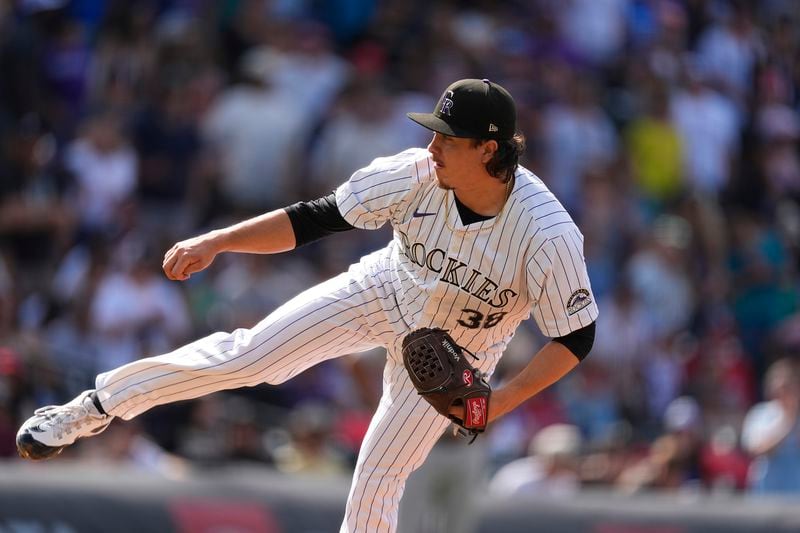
(53, 428)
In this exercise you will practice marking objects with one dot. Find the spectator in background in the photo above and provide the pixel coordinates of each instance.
(72, 287)
(610, 219)
(244, 433)
(659, 275)
(310, 450)
(105, 169)
(366, 123)
(577, 136)
(777, 129)
(124, 59)
(663, 29)
(66, 63)
(728, 50)
(594, 28)
(201, 437)
(661, 279)
(605, 459)
(663, 469)
(167, 138)
(709, 127)
(590, 399)
(785, 338)
(23, 39)
(36, 221)
(624, 336)
(721, 375)
(134, 310)
(130, 446)
(306, 67)
(549, 470)
(672, 460)
(724, 466)
(683, 419)
(663, 374)
(299, 75)
(764, 291)
(257, 133)
(656, 153)
(771, 432)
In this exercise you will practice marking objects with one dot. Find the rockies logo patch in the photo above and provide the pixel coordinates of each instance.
(577, 301)
(447, 104)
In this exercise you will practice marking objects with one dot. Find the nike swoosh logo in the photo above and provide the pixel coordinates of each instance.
(418, 214)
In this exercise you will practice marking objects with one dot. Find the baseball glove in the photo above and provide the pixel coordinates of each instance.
(439, 369)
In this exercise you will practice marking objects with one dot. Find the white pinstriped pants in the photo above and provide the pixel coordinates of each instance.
(352, 312)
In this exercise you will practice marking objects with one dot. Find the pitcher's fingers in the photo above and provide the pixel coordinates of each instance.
(179, 268)
(193, 266)
(170, 258)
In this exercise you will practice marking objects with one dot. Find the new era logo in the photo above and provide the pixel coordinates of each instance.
(493, 128)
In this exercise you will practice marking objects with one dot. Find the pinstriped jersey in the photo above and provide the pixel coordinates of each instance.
(478, 280)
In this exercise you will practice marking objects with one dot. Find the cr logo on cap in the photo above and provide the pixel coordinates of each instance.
(447, 103)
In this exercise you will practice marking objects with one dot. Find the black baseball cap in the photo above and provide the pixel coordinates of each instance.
(478, 109)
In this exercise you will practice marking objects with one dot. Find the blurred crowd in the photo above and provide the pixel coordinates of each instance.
(669, 128)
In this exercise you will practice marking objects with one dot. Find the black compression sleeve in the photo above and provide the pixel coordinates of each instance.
(579, 342)
(316, 219)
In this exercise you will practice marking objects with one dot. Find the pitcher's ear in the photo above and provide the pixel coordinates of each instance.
(488, 150)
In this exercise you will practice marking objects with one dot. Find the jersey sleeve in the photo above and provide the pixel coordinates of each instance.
(374, 193)
(559, 283)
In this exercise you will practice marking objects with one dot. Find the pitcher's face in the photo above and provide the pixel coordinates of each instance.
(455, 160)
